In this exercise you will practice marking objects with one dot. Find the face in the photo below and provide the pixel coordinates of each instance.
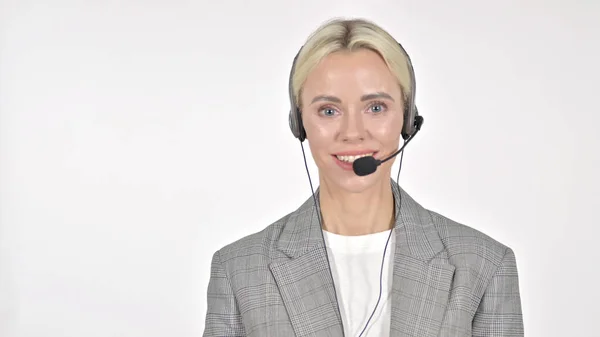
(352, 106)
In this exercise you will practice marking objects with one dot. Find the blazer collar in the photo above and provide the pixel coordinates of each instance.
(416, 235)
(421, 282)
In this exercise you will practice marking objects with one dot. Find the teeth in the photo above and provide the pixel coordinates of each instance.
(351, 159)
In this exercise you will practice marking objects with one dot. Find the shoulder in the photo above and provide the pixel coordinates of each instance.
(258, 248)
(485, 279)
(467, 245)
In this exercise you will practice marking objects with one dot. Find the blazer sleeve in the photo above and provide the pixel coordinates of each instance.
(499, 313)
(223, 317)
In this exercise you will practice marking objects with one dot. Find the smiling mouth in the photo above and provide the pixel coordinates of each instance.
(351, 159)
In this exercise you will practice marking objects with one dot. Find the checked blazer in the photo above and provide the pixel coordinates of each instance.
(449, 280)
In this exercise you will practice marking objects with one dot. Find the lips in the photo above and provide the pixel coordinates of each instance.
(351, 158)
(346, 159)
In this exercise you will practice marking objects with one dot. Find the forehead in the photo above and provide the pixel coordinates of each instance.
(351, 72)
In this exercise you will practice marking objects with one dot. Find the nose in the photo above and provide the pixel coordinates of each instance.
(352, 128)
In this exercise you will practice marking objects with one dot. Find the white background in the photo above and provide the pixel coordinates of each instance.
(138, 137)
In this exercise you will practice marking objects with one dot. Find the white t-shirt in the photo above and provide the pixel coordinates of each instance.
(356, 267)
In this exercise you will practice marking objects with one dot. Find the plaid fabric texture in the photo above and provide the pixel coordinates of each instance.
(449, 280)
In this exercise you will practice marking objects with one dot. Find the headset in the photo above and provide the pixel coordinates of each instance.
(412, 124)
(412, 120)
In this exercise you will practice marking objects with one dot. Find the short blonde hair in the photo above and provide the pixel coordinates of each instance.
(351, 34)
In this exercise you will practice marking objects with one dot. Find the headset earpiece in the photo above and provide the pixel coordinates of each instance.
(296, 125)
(295, 117)
(412, 122)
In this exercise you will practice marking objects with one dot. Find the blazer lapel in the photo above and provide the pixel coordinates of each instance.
(422, 274)
(421, 282)
(304, 277)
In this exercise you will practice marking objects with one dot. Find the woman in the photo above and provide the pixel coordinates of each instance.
(360, 257)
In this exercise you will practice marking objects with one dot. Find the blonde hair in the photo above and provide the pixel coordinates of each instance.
(350, 35)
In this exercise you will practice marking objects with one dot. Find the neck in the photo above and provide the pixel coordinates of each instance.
(367, 212)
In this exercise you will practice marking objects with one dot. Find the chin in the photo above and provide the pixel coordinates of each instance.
(351, 183)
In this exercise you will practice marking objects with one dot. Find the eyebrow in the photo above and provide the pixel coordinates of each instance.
(326, 98)
(363, 98)
(376, 95)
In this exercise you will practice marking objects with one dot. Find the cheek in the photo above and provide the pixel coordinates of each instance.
(388, 130)
(319, 138)
(319, 131)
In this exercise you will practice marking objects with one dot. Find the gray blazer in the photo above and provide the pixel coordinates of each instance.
(449, 280)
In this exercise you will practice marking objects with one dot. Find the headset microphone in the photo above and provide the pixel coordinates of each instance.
(368, 165)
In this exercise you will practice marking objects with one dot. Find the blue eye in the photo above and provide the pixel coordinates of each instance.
(377, 107)
(328, 112)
